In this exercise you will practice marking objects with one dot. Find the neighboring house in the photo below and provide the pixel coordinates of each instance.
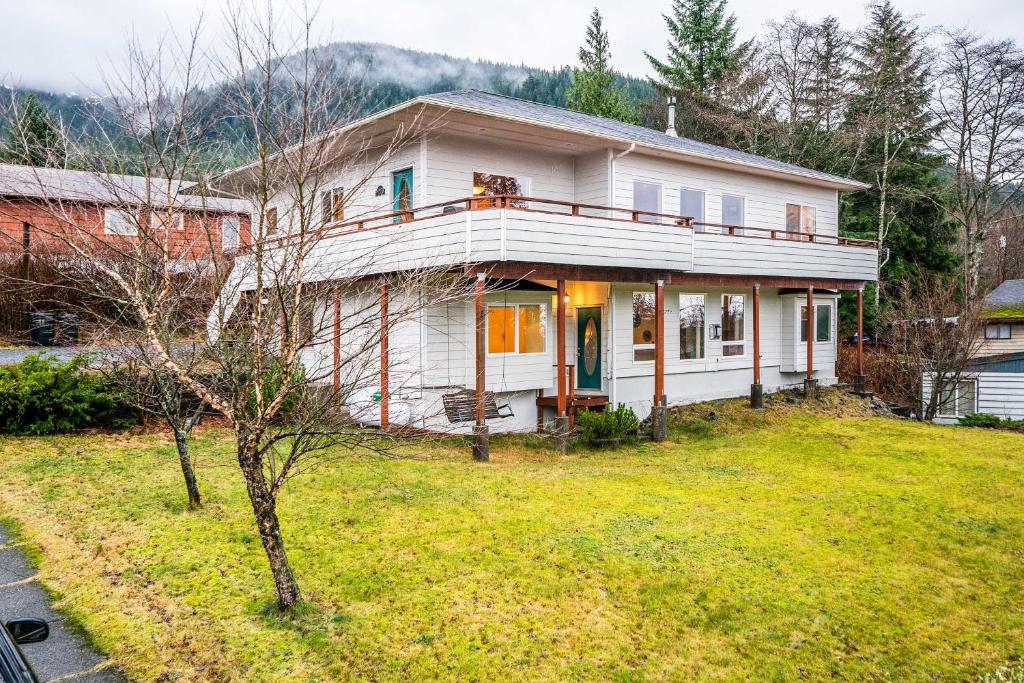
(37, 205)
(683, 269)
(994, 382)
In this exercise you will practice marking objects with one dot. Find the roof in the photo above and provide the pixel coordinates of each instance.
(565, 119)
(1003, 362)
(60, 184)
(1006, 301)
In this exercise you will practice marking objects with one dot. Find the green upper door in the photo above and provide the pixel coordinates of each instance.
(401, 191)
(588, 347)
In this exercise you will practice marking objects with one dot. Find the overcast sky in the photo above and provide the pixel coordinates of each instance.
(64, 45)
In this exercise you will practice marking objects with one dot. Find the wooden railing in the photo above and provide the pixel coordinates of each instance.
(571, 209)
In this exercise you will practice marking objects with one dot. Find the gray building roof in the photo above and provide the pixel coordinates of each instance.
(565, 119)
(1009, 293)
(58, 184)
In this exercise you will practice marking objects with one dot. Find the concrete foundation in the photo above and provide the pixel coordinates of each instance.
(757, 396)
(562, 433)
(659, 422)
(810, 388)
(481, 443)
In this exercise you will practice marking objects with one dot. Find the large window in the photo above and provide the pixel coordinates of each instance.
(230, 233)
(645, 330)
(800, 220)
(733, 212)
(517, 328)
(493, 185)
(822, 323)
(998, 331)
(959, 399)
(161, 219)
(332, 205)
(119, 222)
(732, 325)
(271, 221)
(647, 197)
(691, 326)
(691, 203)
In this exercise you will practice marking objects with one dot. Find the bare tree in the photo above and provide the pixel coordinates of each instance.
(931, 334)
(303, 281)
(980, 101)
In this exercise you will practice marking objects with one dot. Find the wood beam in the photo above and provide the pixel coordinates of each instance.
(480, 305)
(560, 348)
(659, 342)
(385, 417)
(757, 333)
(810, 332)
(336, 342)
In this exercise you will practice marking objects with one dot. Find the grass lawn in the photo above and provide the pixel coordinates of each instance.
(772, 546)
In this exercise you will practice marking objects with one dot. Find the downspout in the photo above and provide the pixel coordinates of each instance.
(612, 158)
(613, 380)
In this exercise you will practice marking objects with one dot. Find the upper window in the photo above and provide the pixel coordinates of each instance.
(647, 197)
(494, 185)
(691, 203)
(998, 331)
(518, 328)
(230, 233)
(119, 222)
(959, 399)
(822, 323)
(332, 205)
(645, 330)
(162, 220)
(691, 326)
(271, 220)
(800, 219)
(732, 325)
(733, 209)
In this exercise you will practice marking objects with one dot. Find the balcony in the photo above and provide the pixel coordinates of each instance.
(542, 231)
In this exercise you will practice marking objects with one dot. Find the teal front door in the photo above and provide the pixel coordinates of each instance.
(401, 191)
(588, 348)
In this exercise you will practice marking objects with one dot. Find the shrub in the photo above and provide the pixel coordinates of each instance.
(608, 427)
(991, 422)
(43, 395)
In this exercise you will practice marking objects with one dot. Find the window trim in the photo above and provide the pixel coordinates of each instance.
(642, 347)
(803, 328)
(177, 218)
(999, 327)
(515, 306)
(130, 229)
(743, 212)
(742, 341)
(956, 399)
(224, 246)
(332, 205)
(270, 226)
(703, 328)
(800, 218)
(703, 207)
(658, 209)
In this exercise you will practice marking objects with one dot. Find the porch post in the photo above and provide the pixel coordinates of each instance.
(385, 417)
(336, 343)
(562, 418)
(860, 382)
(810, 385)
(481, 433)
(756, 389)
(659, 410)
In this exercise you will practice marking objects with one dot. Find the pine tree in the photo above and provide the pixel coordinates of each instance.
(33, 138)
(889, 120)
(594, 90)
(702, 49)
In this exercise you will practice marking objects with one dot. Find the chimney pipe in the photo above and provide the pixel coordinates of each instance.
(671, 130)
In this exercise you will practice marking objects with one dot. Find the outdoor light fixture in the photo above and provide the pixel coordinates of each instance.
(380, 191)
(715, 331)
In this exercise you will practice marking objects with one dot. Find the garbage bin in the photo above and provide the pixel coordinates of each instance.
(40, 327)
(65, 329)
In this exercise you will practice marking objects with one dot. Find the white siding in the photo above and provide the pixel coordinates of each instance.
(994, 347)
(780, 257)
(794, 351)
(998, 393)
(591, 171)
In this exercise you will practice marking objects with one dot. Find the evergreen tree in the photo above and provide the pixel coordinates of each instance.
(594, 90)
(33, 138)
(889, 121)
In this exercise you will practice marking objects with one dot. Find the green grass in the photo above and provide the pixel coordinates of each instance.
(770, 546)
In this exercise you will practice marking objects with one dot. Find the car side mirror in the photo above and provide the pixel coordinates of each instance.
(25, 631)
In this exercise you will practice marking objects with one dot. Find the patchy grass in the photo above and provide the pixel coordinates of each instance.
(776, 545)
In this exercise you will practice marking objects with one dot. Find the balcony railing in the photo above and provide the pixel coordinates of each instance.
(526, 204)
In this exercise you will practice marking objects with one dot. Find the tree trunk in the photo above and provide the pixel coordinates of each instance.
(181, 441)
(264, 507)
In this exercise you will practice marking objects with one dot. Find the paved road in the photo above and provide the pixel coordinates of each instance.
(64, 655)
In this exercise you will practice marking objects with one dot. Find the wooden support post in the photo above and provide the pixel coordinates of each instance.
(481, 435)
(860, 382)
(756, 389)
(385, 417)
(336, 342)
(659, 410)
(810, 386)
(560, 349)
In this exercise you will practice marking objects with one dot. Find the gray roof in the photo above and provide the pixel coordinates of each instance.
(556, 117)
(1010, 293)
(58, 184)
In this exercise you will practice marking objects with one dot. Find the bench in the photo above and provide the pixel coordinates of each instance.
(461, 406)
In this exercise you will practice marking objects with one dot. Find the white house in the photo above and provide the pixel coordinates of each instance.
(636, 267)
